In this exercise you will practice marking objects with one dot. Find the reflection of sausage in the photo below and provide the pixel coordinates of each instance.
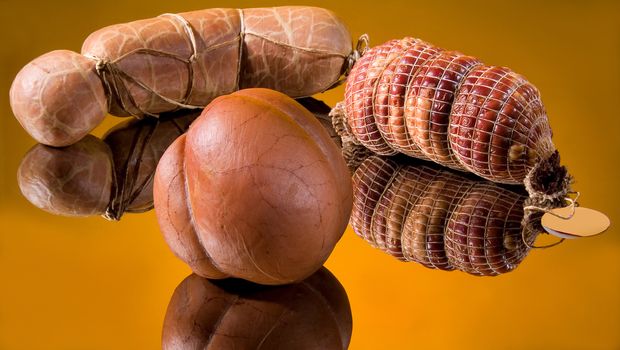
(72, 181)
(255, 189)
(369, 182)
(234, 314)
(439, 218)
(156, 65)
(483, 233)
(411, 97)
(94, 177)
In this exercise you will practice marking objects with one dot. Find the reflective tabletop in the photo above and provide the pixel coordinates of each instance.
(91, 283)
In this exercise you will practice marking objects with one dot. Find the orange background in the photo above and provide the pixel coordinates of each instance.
(68, 283)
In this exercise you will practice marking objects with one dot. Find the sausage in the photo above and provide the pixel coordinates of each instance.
(408, 96)
(151, 66)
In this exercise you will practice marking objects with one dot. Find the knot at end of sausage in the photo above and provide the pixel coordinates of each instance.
(548, 181)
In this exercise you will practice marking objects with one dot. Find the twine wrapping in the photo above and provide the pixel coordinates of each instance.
(115, 80)
(408, 96)
(125, 186)
(416, 211)
(352, 151)
(124, 189)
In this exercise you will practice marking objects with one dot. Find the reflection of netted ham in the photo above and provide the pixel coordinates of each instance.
(408, 96)
(418, 212)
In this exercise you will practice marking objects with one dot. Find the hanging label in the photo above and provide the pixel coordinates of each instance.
(584, 222)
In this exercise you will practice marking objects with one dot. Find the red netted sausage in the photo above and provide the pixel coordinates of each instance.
(408, 96)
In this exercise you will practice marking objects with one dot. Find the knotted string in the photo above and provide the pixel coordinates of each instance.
(115, 79)
(533, 225)
(124, 189)
(125, 186)
(360, 49)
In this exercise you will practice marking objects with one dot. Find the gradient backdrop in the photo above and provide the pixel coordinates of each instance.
(68, 283)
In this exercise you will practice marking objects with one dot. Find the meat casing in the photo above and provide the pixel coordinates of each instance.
(411, 97)
(156, 65)
(416, 211)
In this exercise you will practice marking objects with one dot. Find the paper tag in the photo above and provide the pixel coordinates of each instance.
(584, 222)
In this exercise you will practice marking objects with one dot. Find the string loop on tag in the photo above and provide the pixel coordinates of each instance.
(531, 209)
(572, 203)
(532, 246)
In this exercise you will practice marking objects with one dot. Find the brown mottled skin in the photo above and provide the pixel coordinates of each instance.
(449, 108)
(58, 98)
(72, 181)
(439, 218)
(297, 50)
(235, 314)
(256, 187)
(78, 180)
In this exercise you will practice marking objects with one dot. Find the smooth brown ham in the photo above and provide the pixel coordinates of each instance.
(259, 185)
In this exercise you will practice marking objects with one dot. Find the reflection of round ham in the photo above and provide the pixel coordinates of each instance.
(483, 234)
(107, 177)
(234, 314)
(369, 182)
(71, 181)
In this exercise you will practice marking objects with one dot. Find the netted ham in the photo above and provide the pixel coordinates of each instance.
(439, 218)
(151, 66)
(106, 177)
(410, 97)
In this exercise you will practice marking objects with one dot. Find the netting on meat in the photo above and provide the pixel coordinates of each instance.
(498, 126)
(408, 96)
(483, 235)
(429, 102)
(423, 233)
(369, 181)
(441, 219)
